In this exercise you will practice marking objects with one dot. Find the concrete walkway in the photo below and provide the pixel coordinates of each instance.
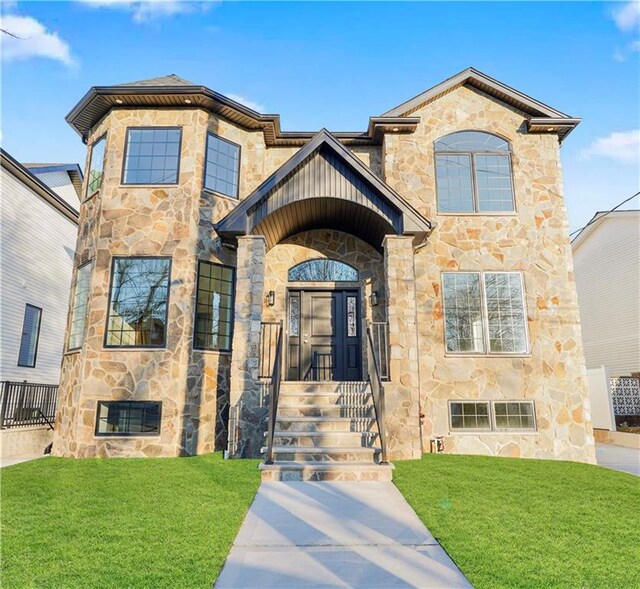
(618, 458)
(362, 535)
(11, 461)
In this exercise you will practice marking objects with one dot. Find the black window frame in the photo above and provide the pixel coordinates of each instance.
(100, 434)
(312, 260)
(233, 307)
(206, 164)
(106, 330)
(88, 193)
(126, 153)
(72, 309)
(35, 351)
(472, 170)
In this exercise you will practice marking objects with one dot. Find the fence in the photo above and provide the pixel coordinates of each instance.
(625, 393)
(27, 403)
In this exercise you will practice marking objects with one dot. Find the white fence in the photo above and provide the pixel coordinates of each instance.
(602, 411)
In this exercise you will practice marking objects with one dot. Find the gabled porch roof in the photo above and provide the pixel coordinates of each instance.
(324, 185)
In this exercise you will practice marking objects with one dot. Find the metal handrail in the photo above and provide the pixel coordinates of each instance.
(274, 394)
(377, 394)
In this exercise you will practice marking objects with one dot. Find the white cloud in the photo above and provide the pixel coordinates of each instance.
(32, 39)
(627, 16)
(623, 146)
(247, 102)
(146, 10)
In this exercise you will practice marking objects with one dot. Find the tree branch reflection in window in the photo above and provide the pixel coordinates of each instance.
(322, 270)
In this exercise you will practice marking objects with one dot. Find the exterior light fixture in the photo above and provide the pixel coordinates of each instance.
(374, 298)
(187, 101)
(395, 129)
(118, 101)
(271, 298)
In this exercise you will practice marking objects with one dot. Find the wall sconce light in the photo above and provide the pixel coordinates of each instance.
(374, 298)
(271, 298)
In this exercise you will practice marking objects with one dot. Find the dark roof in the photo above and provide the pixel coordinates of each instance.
(170, 80)
(74, 170)
(38, 186)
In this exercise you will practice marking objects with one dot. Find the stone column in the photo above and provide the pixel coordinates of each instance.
(248, 413)
(402, 404)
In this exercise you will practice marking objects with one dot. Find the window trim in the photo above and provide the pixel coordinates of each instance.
(204, 171)
(72, 306)
(88, 194)
(493, 429)
(353, 282)
(126, 152)
(233, 308)
(162, 346)
(127, 435)
(35, 351)
(485, 318)
(474, 181)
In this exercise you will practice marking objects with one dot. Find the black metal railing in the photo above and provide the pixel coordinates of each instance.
(377, 394)
(380, 335)
(27, 403)
(274, 394)
(269, 334)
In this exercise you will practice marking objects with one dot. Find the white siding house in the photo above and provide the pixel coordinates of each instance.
(38, 227)
(607, 271)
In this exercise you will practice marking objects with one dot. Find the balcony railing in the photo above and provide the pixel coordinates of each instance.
(27, 404)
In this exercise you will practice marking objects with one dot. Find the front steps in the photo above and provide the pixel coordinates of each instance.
(326, 432)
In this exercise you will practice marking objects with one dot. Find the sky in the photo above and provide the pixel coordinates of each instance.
(334, 65)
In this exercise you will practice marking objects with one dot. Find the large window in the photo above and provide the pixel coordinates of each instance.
(79, 308)
(96, 166)
(214, 307)
(138, 302)
(128, 418)
(473, 173)
(152, 156)
(30, 336)
(323, 271)
(492, 416)
(222, 167)
(484, 313)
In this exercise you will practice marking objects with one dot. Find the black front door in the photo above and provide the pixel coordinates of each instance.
(324, 335)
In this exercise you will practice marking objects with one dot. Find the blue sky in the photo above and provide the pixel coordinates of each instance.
(335, 64)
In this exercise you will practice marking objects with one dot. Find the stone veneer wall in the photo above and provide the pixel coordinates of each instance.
(533, 240)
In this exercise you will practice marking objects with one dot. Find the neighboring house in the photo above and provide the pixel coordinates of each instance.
(441, 228)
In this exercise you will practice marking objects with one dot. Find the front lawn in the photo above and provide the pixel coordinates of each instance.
(529, 523)
(122, 523)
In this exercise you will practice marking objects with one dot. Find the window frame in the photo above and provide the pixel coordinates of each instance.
(471, 402)
(530, 402)
(35, 351)
(493, 429)
(126, 153)
(474, 181)
(99, 434)
(71, 310)
(89, 194)
(485, 317)
(233, 308)
(204, 173)
(106, 330)
(310, 260)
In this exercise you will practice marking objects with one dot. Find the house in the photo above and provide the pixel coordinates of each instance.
(339, 299)
(606, 259)
(39, 225)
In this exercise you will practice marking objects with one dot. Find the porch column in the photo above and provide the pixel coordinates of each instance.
(248, 413)
(402, 392)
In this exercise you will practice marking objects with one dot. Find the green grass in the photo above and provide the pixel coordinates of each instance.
(530, 524)
(122, 523)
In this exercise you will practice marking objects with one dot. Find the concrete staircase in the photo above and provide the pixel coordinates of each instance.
(326, 432)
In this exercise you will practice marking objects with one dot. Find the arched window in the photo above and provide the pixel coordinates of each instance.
(473, 173)
(322, 270)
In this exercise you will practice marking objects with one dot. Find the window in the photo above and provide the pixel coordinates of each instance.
(222, 167)
(30, 336)
(323, 271)
(152, 156)
(484, 313)
(138, 302)
(128, 418)
(96, 166)
(79, 306)
(214, 307)
(492, 415)
(473, 173)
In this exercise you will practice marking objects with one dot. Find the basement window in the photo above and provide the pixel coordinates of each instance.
(469, 415)
(128, 418)
(496, 416)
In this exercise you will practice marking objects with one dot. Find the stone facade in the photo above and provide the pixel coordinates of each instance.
(201, 389)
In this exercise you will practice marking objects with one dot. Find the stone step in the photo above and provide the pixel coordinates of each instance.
(288, 399)
(334, 440)
(296, 471)
(288, 387)
(323, 454)
(325, 424)
(319, 411)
